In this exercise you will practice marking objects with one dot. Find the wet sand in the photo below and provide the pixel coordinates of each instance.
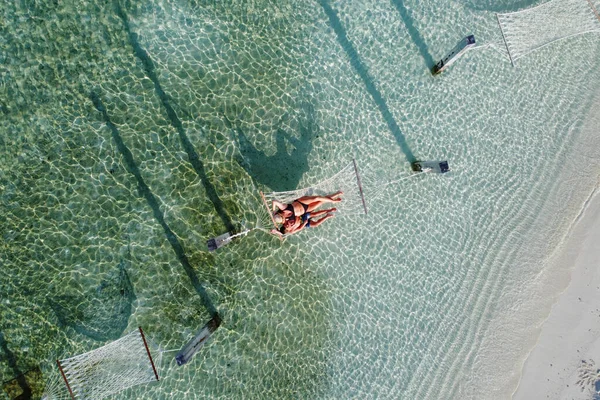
(565, 362)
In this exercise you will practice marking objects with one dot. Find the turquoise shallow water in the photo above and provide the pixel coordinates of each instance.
(133, 132)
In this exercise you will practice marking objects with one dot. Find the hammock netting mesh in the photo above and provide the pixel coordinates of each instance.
(107, 370)
(347, 180)
(528, 30)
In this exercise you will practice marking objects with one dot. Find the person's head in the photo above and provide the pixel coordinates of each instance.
(278, 218)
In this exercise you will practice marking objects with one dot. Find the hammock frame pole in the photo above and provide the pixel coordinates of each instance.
(505, 42)
(594, 9)
(148, 351)
(65, 378)
(362, 196)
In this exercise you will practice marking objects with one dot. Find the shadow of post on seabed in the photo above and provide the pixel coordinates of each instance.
(501, 6)
(193, 156)
(414, 33)
(145, 192)
(360, 68)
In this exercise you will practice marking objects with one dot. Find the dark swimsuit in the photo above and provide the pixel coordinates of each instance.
(291, 207)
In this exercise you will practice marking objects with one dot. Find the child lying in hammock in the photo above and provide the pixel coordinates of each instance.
(298, 215)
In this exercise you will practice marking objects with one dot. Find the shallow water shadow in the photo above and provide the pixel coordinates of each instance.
(10, 358)
(145, 192)
(367, 79)
(104, 314)
(281, 171)
(193, 156)
(414, 33)
(501, 7)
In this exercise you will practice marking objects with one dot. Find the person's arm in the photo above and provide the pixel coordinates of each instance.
(279, 205)
(276, 233)
(297, 228)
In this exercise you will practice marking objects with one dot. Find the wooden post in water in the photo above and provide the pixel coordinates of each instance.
(439, 167)
(219, 241)
(198, 341)
(458, 50)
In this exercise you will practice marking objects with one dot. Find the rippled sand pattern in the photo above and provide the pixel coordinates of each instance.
(133, 133)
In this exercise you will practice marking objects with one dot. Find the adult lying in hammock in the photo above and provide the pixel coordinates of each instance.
(296, 224)
(301, 206)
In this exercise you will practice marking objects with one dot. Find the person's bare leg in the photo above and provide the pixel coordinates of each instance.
(336, 194)
(311, 199)
(314, 224)
(322, 212)
(314, 202)
(333, 198)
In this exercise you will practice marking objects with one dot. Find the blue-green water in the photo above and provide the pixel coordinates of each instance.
(132, 132)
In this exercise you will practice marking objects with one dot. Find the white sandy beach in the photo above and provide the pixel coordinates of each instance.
(564, 363)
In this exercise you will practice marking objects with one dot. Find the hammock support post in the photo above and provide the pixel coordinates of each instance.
(458, 50)
(439, 167)
(219, 241)
(192, 347)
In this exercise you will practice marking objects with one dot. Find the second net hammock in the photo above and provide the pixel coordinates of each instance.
(107, 370)
(533, 28)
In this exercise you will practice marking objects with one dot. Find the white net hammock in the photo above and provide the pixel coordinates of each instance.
(529, 30)
(107, 370)
(347, 180)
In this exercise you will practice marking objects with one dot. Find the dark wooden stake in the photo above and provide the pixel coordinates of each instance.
(148, 351)
(65, 378)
